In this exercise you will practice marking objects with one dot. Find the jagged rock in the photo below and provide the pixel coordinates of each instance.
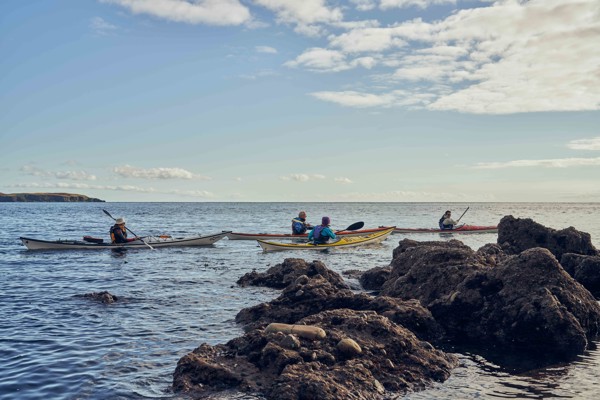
(585, 270)
(516, 235)
(104, 297)
(374, 278)
(392, 360)
(308, 296)
(281, 275)
(524, 303)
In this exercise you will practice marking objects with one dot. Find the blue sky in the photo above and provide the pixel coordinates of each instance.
(313, 100)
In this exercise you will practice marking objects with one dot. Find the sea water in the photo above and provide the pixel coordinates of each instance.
(56, 345)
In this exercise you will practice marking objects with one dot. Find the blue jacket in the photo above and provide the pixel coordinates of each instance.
(322, 233)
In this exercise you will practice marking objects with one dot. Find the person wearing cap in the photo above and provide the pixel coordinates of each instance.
(118, 232)
(321, 233)
(446, 222)
(299, 224)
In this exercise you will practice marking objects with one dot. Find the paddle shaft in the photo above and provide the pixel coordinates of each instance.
(463, 214)
(143, 241)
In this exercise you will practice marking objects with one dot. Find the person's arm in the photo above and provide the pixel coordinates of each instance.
(119, 237)
(330, 233)
(310, 235)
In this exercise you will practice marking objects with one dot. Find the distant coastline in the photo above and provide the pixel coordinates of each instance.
(47, 197)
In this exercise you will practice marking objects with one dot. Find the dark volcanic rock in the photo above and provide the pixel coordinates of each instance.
(374, 278)
(430, 270)
(385, 358)
(585, 270)
(525, 302)
(281, 275)
(308, 296)
(516, 235)
(104, 297)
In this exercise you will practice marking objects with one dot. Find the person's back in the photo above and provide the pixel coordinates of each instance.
(321, 233)
(299, 225)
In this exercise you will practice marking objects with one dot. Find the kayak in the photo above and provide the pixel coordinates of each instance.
(269, 236)
(459, 229)
(344, 241)
(90, 243)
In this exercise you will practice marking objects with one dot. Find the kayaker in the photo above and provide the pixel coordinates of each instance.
(446, 222)
(118, 232)
(321, 233)
(299, 224)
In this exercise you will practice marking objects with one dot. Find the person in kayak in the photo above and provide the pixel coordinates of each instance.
(446, 222)
(118, 232)
(321, 233)
(299, 224)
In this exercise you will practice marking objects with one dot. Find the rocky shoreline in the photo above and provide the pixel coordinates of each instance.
(527, 299)
(514, 297)
(46, 197)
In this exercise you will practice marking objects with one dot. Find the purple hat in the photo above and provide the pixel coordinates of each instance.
(325, 221)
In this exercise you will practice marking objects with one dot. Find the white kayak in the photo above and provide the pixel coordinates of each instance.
(270, 236)
(198, 240)
(344, 241)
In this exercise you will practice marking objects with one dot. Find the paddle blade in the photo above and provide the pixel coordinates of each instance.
(107, 213)
(355, 226)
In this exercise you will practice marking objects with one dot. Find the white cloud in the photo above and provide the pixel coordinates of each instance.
(302, 177)
(355, 99)
(508, 57)
(119, 188)
(67, 175)
(325, 60)
(585, 144)
(386, 4)
(266, 49)
(364, 5)
(305, 15)
(101, 27)
(343, 180)
(210, 12)
(128, 171)
(371, 39)
(551, 163)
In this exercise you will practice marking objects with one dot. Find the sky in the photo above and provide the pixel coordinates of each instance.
(312, 100)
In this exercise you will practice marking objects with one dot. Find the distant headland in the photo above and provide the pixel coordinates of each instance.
(46, 197)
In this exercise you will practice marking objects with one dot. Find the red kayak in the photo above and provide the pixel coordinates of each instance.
(458, 229)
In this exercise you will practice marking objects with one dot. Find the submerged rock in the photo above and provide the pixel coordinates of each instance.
(376, 357)
(104, 297)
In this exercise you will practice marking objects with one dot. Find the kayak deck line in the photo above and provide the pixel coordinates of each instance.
(198, 240)
(459, 229)
(345, 241)
(268, 236)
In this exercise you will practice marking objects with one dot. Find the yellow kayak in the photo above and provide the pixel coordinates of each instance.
(344, 241)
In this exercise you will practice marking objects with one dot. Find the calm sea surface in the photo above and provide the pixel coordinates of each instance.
(56, 345)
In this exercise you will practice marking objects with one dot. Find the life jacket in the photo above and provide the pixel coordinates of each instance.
(118, 235)
(298, 226)
(317, 237)
(441, 224)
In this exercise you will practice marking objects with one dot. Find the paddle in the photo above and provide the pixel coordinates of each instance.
(353, 227)
(143, 241)
(463, 214)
